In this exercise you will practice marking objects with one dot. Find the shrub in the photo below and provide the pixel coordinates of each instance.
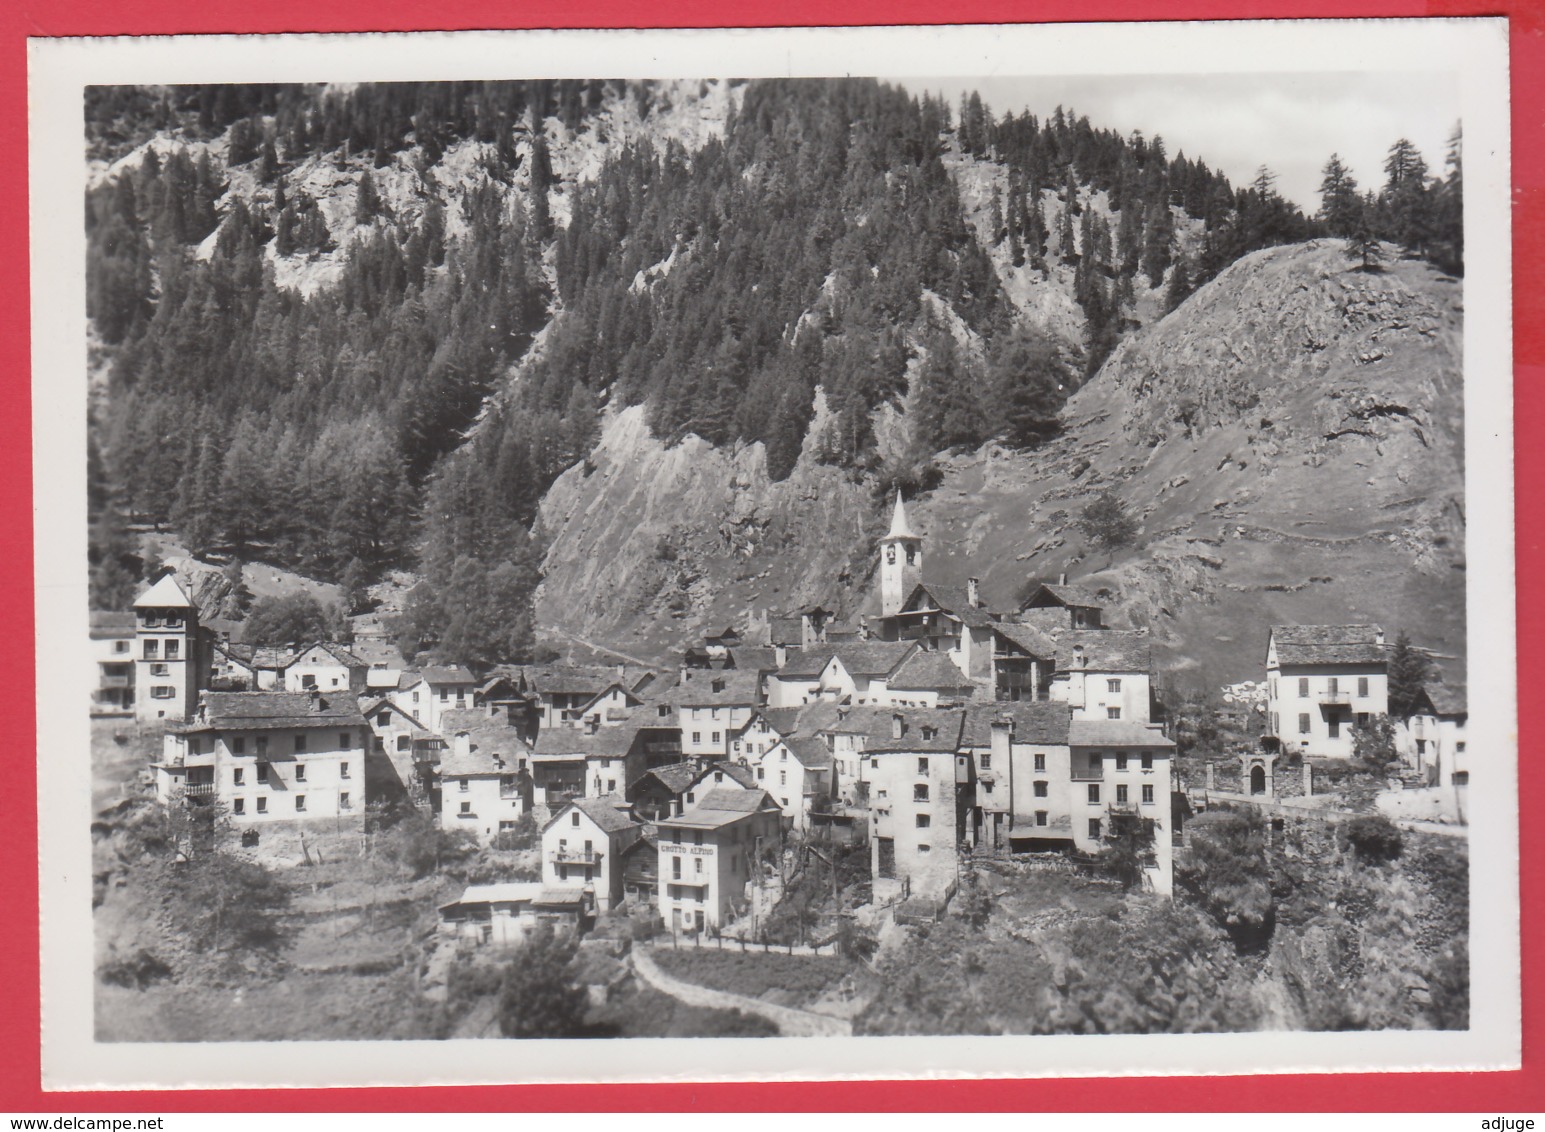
(1374, 838)
(136, 971)
(539, 998)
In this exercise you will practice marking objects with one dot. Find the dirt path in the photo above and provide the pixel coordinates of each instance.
(598, 648)
(790, 1022)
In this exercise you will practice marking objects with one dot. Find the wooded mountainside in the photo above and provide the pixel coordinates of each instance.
(413, 411)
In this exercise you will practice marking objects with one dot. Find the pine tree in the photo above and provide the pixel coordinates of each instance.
(367, 202)
(1179, 287)
(1340, 203)
(539, 998)
(1410, 669)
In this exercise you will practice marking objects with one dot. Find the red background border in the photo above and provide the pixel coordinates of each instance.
(20, 1089)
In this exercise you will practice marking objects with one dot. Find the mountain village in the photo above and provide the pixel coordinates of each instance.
(936, 731)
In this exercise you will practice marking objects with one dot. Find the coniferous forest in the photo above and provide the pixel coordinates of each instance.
(410, 410)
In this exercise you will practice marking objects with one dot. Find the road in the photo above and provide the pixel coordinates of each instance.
(791, 1023)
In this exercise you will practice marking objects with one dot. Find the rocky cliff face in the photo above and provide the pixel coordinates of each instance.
(1290, 440)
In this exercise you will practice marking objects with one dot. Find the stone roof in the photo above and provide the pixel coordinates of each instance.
(447, 674)
(953, 600)
(877, 723)
(605, 742)
(255, 710)
(806, 663)
(675, 777)
(1043, 722)
(734, 771)
(492, 740)
(1447, 699)
(811, 752)
(108, 624)
(1062, 594)
(873, 658)
(609, 811)
(1035, 641)
(719, 688)
(1330, 644)
(166, 593)
(754, 658)
(722, 807)
(926, 668)
(508, 892)
(1105, 650)
(1115, 733)
(342, 655)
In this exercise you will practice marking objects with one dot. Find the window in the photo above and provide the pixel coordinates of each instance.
(715, 738)
(1094, 793)
(384, 719)
(1273, 687)
(920, 792)
(697, 736)
(986, 760)
(120, 646)
(1113, 685)
(1121, 795)
(1113, 713)
(162, 691)
(923, 821)
(236, 776)
(343, 801)
(1095, 762)
(300, 742)
(262, 772)
(697, 865)
(987, 787)
(466, 807)
(697, 837)
(1303, 687)
(262, 745)
(761, 773)
(1121, 762)
(874, 764)
(925, 848)
(1303, 723)
(160, 669)
(308, 683)
(783, 756)
(173, 649)
(1040, 764)
(463, 785)
(922, 766)
(691, 797)
(1332, 685)
(1040, 789)
(300, 803)
(345, 739)
(1362, 685)
(238, 805)
(300, 772)
(445, 695)
(675, 868)
(262, 805)
(239, 745)
(152, 650)
(1094, 829)
(1147, 793)
(1147, 762)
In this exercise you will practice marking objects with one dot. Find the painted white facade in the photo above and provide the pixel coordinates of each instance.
(1105, 695)
(578, 852)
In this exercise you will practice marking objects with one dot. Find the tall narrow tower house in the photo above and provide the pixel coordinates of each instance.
(168, 663)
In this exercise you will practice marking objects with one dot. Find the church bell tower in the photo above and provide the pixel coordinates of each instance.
(901, 561)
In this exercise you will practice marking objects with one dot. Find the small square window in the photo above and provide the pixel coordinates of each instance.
(345, 739)
(466, 807)
(1147, 762)
(920, 792)
(300, 803)
(922, 766)
(1040, 789)
(1113, 713)
(343, 801)
(923, 821)
(236, 776)
(239, 745)
(1121, 762)
(300, 742)
(238, 805)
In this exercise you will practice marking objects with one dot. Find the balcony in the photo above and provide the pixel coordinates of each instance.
(199, 790)
(1340, 696)
(114, 682)
(576, 857)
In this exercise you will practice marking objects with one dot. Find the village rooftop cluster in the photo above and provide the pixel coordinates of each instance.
(935, 729)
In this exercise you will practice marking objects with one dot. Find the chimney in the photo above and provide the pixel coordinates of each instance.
(622, 672)
(780, 655)
(461, 745)
(591, 723)
(898, 726)
(683, 672)
(973, 593)
(1378, 636)
(1002, 736)
(1062, 579)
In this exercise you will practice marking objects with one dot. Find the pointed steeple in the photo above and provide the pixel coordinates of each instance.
(899, 527)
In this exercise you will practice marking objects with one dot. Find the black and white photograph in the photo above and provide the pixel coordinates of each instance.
(849, 548)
